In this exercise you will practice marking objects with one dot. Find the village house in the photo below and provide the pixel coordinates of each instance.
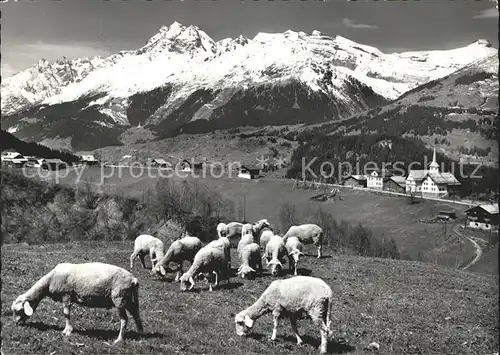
(159, 163)
(13, 159)
(431, 182)
(482, 217)
(355, 181)
(88, 159)
(395, 184)
(375, 179)
(188, 166)
(248, 172)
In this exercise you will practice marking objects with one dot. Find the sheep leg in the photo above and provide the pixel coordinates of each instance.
(276, 315)
(132, 258)
(179, 272)
(293, 321)
(152, 256)
(67, 308)
(318, 320)
(320, 250)
(142, 256)
(123, 324)
(134, 312)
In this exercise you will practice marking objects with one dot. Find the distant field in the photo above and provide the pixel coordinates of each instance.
(388, 217)
(406, 307)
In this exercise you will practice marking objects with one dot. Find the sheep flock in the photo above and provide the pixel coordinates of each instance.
(100, 285)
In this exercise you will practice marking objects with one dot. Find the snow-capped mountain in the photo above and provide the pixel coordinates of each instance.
(182, 80)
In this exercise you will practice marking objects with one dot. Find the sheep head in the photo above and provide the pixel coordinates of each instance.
(295, 254)
(243, 323)
(21, 309)
(276, 266)
(185, 280)
(245, 270)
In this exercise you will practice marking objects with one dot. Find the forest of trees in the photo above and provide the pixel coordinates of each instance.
(9, 141)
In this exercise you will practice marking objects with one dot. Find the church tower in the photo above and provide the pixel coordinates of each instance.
(434, 166)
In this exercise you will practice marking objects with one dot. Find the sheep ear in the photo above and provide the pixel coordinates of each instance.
(27, 309)
(17, 306)
(291, 253)
(248, 321)
(301, 253)
(162, 270)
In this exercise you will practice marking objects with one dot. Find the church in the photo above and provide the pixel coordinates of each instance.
(430, 182)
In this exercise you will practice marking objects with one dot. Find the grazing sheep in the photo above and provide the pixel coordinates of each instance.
(145, 244)
(256, 228)
(180, 250)
(94, 285)
(265, 237)
(226, 244)
(251, 260)
(209, 259)
(292, 298)
(307, 234)
(246, 229)
(275, 254)
(221, 228)
(294, 249)
(245, 240)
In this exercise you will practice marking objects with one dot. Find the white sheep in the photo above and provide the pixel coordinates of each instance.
(95, 285)
(265, 237)
(147, 244)
(209, 259)
(244, 241)
(221, 228)
(180, 250)
(246, 229)
(294, 249)
(226, 244)
(292, 298)
(251, 259)
(275, 254)
(307, 234)
(256, 228)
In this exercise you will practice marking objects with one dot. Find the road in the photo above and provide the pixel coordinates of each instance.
(479, 249)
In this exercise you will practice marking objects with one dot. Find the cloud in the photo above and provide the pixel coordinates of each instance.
(353, 24)
(488, 13)
(18, 57)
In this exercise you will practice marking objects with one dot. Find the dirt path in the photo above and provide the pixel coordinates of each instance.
(479, 249)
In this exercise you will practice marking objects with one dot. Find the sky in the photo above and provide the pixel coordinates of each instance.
(49, 29)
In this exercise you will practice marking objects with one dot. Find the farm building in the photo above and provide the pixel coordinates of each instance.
(431, 182)
(54, 164)
(395, 184)
(13, 159)
(355, 181)
(483, 217)
(186, 165)
(248, 172)
(375, 179)
(159, 163)
(88, 159)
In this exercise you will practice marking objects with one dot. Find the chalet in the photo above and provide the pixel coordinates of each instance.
(355, 181)
(248, 172)
(483, 217)
(54, 164)
(375, 179)
(13, 159)
(186, 165)
(431, 182)
(159, 163)
(88, 159)
(395, 184)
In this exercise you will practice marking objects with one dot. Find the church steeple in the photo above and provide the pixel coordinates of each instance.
(434, 166)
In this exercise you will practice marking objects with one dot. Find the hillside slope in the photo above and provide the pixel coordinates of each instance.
(406, 307)
(182, 81)
(458, 114)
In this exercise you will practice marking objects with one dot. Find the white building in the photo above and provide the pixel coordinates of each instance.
(430, 182)
(375, 179)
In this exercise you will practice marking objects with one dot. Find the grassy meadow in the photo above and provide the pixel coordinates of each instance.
(387, 216)
(406, 307)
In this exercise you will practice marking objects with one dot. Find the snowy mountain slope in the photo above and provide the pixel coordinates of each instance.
(457, 114)
(183, 80)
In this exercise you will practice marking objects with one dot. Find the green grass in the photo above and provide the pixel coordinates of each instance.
(407, 307)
